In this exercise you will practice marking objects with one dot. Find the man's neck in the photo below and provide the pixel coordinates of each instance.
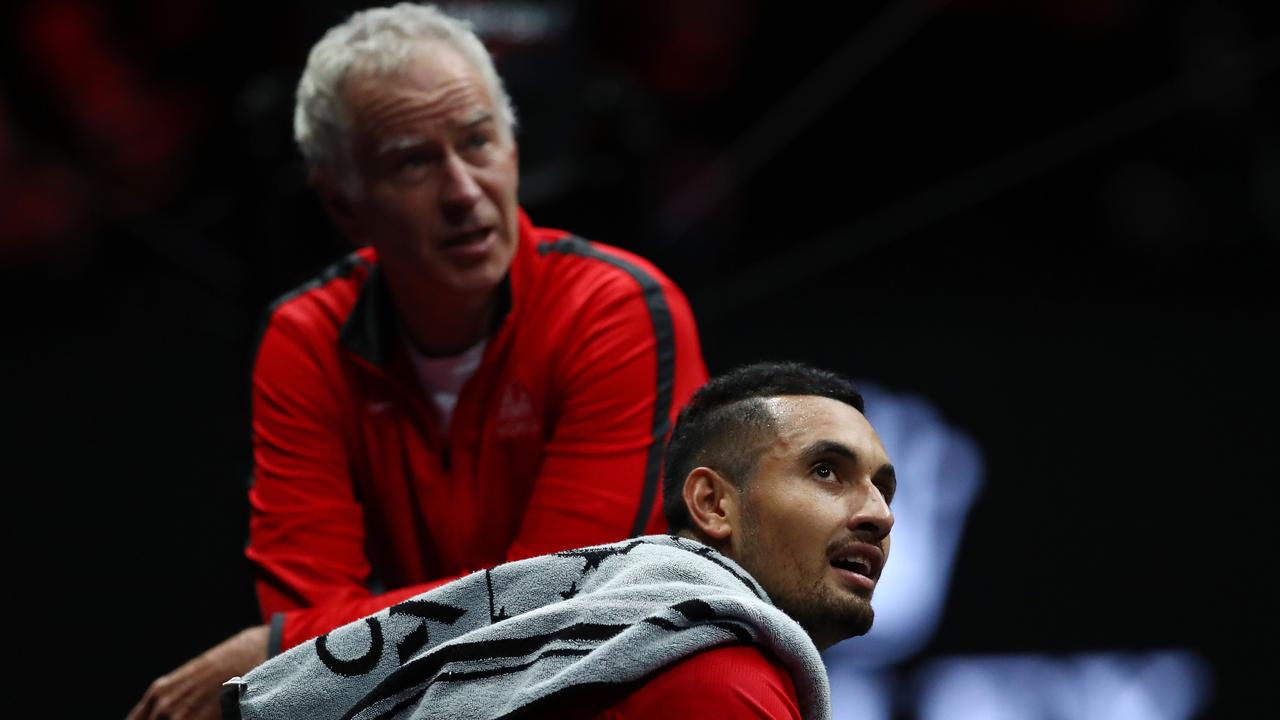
(820, 639)
(720, 547)
(443, 324)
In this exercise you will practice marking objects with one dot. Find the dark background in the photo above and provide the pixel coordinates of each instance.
(1057, 220)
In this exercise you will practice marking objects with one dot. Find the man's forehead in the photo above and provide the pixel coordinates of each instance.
(436, 82)
(800, 419)
(804, 408)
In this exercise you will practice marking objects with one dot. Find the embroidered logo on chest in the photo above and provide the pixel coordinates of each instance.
(516, 416)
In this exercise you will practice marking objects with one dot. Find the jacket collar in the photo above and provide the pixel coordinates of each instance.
(373, 325)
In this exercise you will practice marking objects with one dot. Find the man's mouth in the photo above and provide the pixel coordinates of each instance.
(859, 563)
(468, 237)
(856, 565)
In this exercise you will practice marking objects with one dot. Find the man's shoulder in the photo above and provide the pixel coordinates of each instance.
(324, 301)
(745, 667)
(728, 681)
(570, 260)
(580, 285)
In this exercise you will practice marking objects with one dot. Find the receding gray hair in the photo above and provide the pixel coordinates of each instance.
(378, 41)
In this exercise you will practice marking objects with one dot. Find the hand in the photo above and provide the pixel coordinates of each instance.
(191, 691)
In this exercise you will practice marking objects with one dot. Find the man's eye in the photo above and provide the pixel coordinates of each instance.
(823, 471)
(477, 140)
(887, 494)
(413, 161)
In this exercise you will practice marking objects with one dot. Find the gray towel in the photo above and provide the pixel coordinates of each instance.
(498, 641)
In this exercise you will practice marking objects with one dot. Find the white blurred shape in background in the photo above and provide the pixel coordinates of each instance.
(1164, 685)
(940, 472)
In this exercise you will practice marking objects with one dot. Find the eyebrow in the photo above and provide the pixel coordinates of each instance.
(398, 144)
(823, 448)
(884, 476)
(480, 120)
(405, 143)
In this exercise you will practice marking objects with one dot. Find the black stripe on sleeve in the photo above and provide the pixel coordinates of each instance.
(340, 269)
(664, 337)
(275, 635)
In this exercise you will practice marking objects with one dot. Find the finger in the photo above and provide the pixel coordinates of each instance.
(142, 710)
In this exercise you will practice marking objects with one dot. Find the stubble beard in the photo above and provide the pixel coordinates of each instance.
(828, 614)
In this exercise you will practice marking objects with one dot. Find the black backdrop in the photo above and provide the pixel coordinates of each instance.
(1056, 220)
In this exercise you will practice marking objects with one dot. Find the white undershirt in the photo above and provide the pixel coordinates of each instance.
(442, 378)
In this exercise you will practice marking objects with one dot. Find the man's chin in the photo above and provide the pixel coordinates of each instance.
(480, 278)
(839, 619)
(860, 623)
(854, 617)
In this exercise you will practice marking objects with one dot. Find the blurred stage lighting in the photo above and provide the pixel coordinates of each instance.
(940, 472)
(941, 469)
(1166, 685)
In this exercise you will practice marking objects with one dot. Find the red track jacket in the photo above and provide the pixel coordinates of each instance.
(556, 441)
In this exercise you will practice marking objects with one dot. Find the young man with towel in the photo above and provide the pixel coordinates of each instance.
(777, 492)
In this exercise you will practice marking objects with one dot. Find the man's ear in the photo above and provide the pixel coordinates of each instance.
(339, 206)
(712, 502)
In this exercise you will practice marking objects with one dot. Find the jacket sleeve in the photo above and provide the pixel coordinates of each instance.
(629, 364)
(306, 529)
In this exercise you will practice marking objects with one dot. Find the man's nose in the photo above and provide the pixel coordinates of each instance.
(872, 515)
(460, 192)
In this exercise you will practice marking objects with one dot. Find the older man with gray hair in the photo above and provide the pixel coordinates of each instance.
(466, 388)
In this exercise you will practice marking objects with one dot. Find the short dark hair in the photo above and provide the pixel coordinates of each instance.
(726, 425)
